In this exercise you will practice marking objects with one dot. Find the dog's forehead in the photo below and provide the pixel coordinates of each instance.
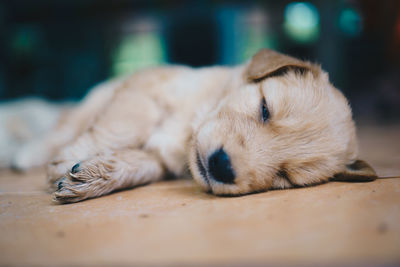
(295, 91)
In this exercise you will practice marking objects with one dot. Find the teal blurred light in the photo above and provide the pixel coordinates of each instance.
(24, 41)
(243, 32)
(141, 46)
(257, 33)
(301, 22)
(138, 51)
(350, 22)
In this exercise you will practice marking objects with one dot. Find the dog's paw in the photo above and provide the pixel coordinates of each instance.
(56, 169)
(88, 179)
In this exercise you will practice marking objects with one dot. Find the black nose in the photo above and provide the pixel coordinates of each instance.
(219, 166)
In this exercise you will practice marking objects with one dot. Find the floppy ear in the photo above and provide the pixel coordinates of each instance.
(267, 63)
(359, 171)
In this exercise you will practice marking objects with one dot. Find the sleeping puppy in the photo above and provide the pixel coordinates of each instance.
(274, 122)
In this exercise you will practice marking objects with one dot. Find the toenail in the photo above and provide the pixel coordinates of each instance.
(60, 184)
(75, 168)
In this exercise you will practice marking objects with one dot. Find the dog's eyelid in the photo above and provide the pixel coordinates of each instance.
(265, 113)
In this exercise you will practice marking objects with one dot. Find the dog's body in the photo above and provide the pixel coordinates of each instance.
(22, 123)
(274, 122)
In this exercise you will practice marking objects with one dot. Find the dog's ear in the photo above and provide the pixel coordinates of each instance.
(268, 63)
(358, 171)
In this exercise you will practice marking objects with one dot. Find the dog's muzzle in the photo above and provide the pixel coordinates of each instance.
(219, 167)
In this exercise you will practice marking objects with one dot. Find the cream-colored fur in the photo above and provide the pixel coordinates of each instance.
(22, 123)
(158, 121)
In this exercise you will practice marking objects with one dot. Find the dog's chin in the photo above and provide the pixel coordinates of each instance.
(203, 182)
(216, 188)
(220, 189)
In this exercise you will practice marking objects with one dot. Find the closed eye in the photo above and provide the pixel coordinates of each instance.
(264, 111)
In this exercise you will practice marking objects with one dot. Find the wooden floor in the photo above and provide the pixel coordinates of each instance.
(174, 222)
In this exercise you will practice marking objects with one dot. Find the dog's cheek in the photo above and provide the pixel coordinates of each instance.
(260, 182)
(249, 180)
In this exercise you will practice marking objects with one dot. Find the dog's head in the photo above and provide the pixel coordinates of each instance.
(286, 125)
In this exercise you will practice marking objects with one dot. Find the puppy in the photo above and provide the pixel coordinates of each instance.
(273, 122)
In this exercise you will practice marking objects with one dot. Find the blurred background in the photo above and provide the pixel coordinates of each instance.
(59, 49)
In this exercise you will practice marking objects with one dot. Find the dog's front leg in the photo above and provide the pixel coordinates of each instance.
(121, 125)
(103, 174)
